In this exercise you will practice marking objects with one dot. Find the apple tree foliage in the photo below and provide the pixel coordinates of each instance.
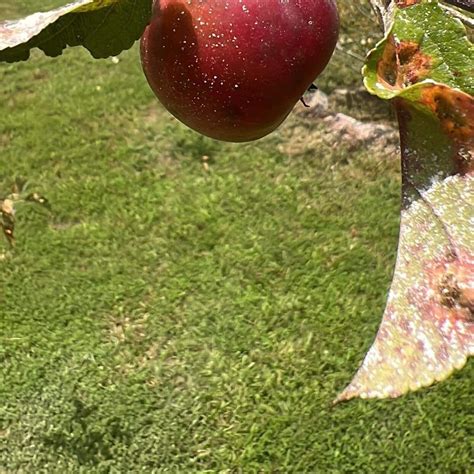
(424, 65)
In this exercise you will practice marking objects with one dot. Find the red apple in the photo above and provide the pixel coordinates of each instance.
(234, 69)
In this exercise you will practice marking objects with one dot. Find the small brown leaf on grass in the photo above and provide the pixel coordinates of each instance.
(38, 199)
(8, 205)
(8, 219)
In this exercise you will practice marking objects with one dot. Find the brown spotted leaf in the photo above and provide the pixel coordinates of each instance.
(428, 329)
(425, 66)
(104, 27)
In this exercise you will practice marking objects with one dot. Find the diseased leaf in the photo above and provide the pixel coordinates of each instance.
(425, 65)
(427, 330)
(424, 44)
(104, 27)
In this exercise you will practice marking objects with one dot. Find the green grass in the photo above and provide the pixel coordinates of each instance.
(163, 318)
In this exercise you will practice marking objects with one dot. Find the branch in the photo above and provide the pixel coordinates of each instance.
(466, 5)
(350, 53)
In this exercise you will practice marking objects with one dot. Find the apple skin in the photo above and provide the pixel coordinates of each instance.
(234, 69)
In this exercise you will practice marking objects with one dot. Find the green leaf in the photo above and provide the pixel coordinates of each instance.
(104, 27)
(425, 66)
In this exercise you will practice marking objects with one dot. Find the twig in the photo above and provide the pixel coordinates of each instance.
(466, 5)
(350, 53)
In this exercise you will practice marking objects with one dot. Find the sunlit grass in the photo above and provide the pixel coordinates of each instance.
(168, 318)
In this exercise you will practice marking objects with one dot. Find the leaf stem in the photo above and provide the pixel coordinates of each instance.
(383, 9)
